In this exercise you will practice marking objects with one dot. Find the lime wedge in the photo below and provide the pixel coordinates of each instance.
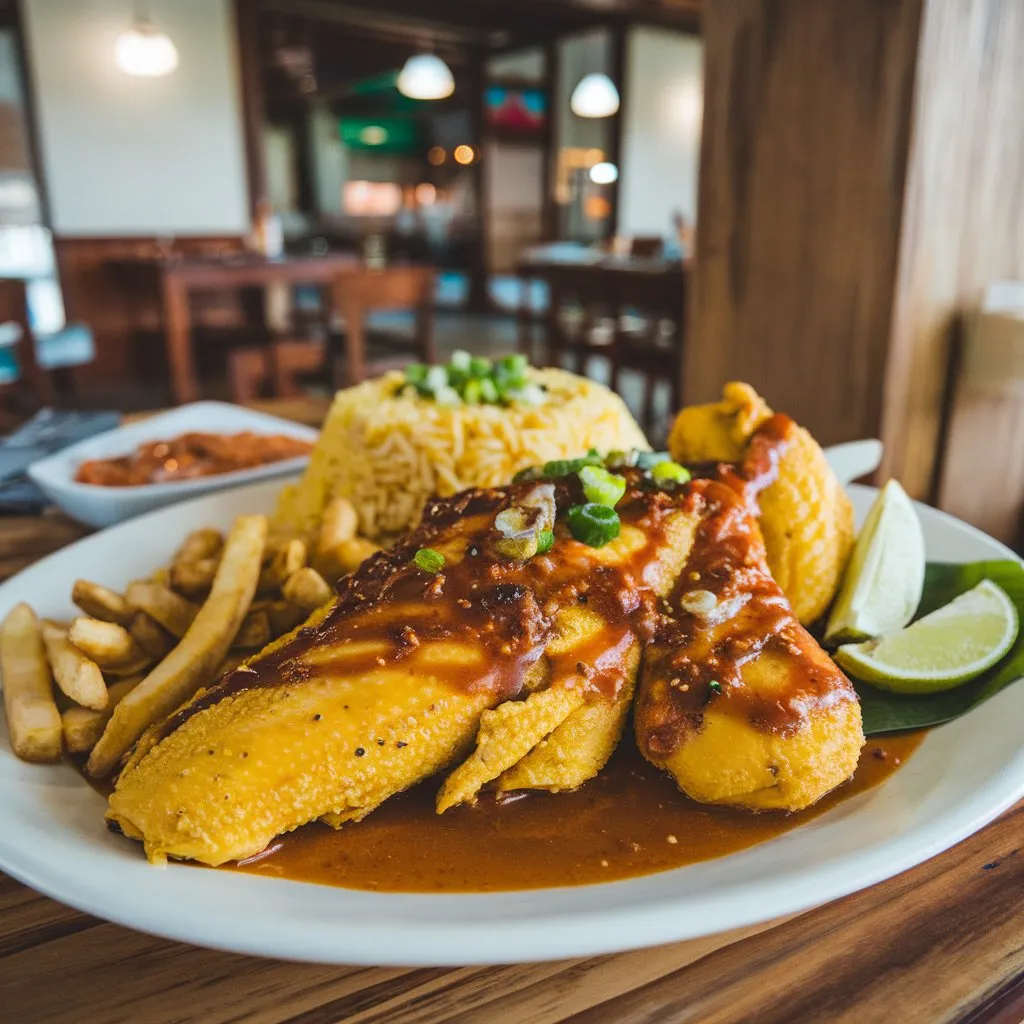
(881, 588)
(954, 644)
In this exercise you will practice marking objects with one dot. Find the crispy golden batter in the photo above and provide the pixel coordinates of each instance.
(736, 700)
(562, 737)
(577, 749)
(392, 683)
(806, 516)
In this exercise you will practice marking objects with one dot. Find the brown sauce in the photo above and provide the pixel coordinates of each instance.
(189, 456)
(616, 826)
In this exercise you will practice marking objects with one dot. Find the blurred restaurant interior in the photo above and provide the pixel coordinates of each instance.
(264, 200)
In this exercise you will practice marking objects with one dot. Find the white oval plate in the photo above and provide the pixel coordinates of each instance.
(105, 506)
(52, 835)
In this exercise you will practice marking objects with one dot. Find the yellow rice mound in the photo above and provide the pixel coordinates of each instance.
(388, 452)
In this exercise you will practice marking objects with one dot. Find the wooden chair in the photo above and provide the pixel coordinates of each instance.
(660, 299)
(273, 369)
(646, 247)
(27, 372)
(586, 288)
(358, 293)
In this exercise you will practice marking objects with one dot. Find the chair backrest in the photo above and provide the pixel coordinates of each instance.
(366, 291)
(645, 247)
(358, 292)
(14, 309)
(13, 301)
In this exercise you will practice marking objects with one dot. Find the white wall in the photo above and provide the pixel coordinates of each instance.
(138, 156)
(661, 131)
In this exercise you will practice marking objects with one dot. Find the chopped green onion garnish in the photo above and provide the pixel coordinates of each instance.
(648, 460)
(602, 487)
(670, 472)
(447, 396)
(476, 380)
(512, 365)
(715, 686)
(617, 459)
(545, 541)
(566, 467)
(436, 378)
(415, 374)
(519, 548)
(429, 560)
(594, 525)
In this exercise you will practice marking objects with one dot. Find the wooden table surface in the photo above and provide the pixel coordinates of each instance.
(942, 942)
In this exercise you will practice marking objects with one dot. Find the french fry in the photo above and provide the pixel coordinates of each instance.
(193, 578)
(151, 636)
(32, 717)
(338, 523)
(109, 645)
(254, 631)
(101, 602)
(76, 674)
(161, 603)
(284, 617)
(198, 545)
(275, 542)
(82, 727)
(290, 557)
(352, 553)
(306, 589)
(194, 661)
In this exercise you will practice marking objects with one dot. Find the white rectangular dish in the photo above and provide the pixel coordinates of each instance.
(104, 506)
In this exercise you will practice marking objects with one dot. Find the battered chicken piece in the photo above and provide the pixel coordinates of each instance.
(392, 684)
(736, 700)
(562, 736)
(805, 515)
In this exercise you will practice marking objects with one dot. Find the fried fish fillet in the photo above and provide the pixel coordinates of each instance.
(805, 515)
(736, 699)
(394, 681)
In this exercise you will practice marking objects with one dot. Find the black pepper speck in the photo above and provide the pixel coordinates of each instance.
(360, 751)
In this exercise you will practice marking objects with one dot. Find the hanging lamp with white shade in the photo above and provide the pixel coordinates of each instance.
(144, 49)
(594, 96)
(426, 77)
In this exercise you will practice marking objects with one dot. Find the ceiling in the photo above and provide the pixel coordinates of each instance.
(332, 47)
(490, 24)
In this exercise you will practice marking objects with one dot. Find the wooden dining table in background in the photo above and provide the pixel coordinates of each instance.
(174, 279)
(940, 943)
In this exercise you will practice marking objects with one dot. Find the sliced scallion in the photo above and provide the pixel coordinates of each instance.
(670, 472)
(648, 460)
(602, 487)
(429, 560)
(594, 525)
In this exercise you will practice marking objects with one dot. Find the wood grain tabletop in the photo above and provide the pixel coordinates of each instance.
(943, 942)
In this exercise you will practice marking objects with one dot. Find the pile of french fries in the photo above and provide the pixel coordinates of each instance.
(94, 685)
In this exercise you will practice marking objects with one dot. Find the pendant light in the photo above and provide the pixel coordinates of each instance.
(144, 49)
(595, 96)
(426, 77)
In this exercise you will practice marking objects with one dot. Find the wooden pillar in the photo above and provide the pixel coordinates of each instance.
(862, 178)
